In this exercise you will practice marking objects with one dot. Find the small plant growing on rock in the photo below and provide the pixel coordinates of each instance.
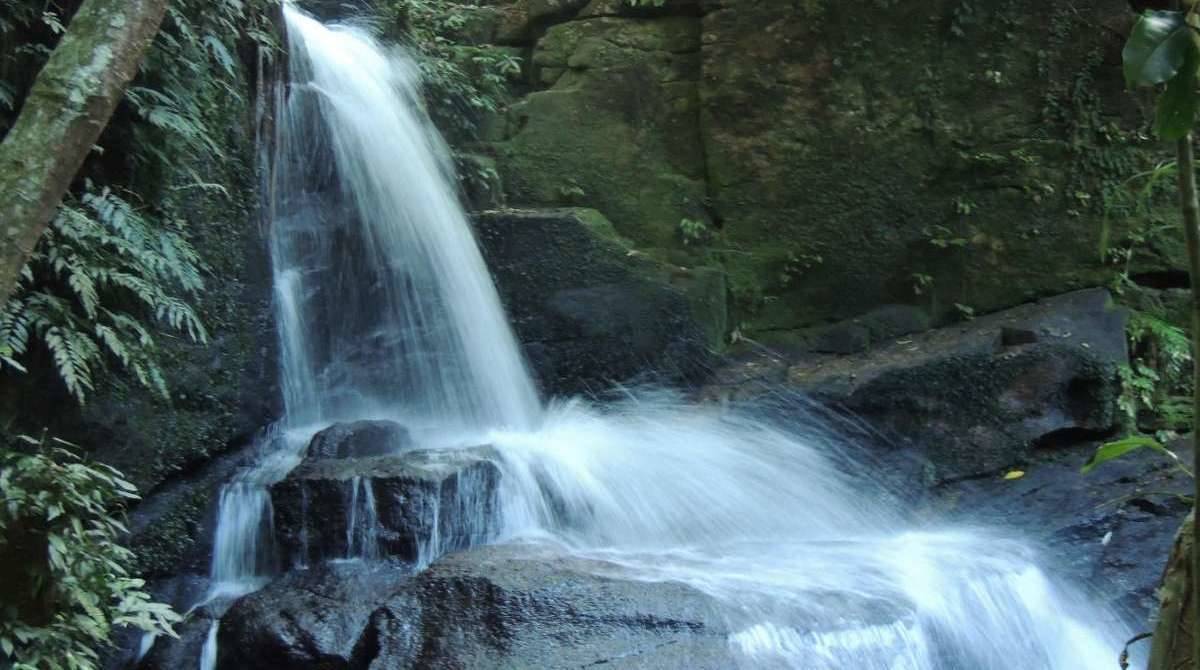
(694, 232)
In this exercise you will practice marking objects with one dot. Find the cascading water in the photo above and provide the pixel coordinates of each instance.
(386, 309)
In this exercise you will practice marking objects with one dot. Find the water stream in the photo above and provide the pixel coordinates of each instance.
(385, 307)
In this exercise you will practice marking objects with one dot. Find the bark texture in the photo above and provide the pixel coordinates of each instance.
(68, 106)
(1174, 634)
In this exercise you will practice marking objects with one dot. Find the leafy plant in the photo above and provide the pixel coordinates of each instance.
(101, 267)
(66, 585)
(1114, 450)
(921, 283)
(796, 265)
(944, 238)
(465, 83)
(1163, 49)
(1157, 381)
(694, 232)
(107, 269)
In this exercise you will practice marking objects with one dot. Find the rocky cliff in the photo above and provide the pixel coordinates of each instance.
(957, 156)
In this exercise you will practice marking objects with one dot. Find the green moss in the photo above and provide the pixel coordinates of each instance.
(161, 547)
(915, 119)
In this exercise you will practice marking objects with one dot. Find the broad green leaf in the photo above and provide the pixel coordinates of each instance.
(1178, 104)
(1117, 449)
(1157, 48)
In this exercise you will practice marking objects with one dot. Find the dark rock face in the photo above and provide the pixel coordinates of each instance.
(359, 439)
(590, 312)
(309, 619)
(974, 398)
(426, 502)
(492, 607)
(1112, 528)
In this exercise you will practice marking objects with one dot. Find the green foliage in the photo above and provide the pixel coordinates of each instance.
(694, 232)
(943, 238)
(100, 268)
(1133, 200)
(107, 268)
(1114, 450)
(66, 585)
(1158, 380)
(796, 265)
(465, 83)
(1161, 49)
(1156, 49)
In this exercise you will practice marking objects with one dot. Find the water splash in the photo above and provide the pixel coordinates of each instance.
(817, 563)
(208, 653)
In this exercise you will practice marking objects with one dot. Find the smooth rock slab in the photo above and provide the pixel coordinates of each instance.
(426, 502)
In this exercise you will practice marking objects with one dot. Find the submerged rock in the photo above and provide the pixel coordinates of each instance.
(412, 506)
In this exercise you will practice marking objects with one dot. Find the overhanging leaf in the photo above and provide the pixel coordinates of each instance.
(1178, 104)
(1157, 48)
(1117, 449)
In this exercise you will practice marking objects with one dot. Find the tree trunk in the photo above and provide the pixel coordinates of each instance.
(1190, 207)
(1175, 632)
(68, 106)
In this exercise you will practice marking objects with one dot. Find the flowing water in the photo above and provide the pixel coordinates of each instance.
(385, 307)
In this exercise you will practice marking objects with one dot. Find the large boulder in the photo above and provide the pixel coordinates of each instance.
(491, 607)
(976, 397)
(589, 311)
(309, 620)
(413, 506)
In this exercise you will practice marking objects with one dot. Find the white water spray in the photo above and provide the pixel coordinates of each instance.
(386, 307)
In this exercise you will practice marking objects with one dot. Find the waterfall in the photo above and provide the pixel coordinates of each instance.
(385, 306)
(389, 304)
(362, 529)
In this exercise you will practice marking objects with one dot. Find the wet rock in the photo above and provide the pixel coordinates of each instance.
(311, 619)
(861, 333)
(359, 439)
(591, 312)
(527, 607)
(1111, 528)
(973, 398)
(973, 405)
(412, 506)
